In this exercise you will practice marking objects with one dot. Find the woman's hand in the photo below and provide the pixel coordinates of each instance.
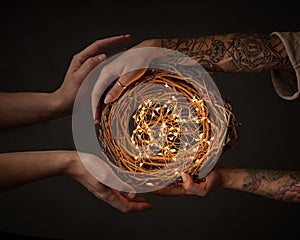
(81, 65)
(116, 90)
(18, 168)
(126, 201)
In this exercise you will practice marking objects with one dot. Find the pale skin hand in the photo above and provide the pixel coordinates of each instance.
(23, 167)
(275, 184)
(118, 70)
(27, 108)
(129, 77)
(234, 52)
(132, 76)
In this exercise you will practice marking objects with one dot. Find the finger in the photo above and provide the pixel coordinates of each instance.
(191, 187)
(106, 77)
(139, 204)
(138, 199)
(108, 46)
(124, 80)
(188, 184)
(171, 190)
(186, 178)
(130, 195)
(89, 65)
(116, 200)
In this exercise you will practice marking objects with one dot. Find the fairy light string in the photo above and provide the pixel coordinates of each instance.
(160, 131)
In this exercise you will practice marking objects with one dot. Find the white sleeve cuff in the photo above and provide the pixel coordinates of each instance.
(287, 84)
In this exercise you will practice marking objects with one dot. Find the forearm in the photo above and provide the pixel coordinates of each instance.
(26, 108)
(280, 185)
(22, 167)
(235, 52)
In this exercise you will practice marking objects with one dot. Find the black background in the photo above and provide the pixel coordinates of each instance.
(38, 39)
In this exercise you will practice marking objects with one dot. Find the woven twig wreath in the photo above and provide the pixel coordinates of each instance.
(142, 133)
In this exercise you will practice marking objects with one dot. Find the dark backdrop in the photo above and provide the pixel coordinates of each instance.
(38, 39)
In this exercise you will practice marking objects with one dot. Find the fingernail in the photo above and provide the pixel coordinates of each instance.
(128, 36)
(184, 177)
(102, 57)
(108, 99)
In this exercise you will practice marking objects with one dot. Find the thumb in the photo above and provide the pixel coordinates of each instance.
(191, 187)
(187, 181)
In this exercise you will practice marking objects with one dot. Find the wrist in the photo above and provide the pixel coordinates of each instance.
(72, 164)
(231, 178)
(58, 105)
(66, 160)
(227, 177)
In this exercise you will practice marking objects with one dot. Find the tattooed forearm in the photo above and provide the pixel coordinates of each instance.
(279, 185)
(234, 52)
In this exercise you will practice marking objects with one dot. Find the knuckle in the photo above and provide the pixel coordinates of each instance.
(80, 57)
(93, 60)
(76, 77)
(99, 44)
(75, 56)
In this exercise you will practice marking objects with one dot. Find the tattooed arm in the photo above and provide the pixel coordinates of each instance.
(275, 184)
(234, 52)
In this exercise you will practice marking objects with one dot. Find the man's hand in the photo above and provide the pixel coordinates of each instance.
(212, 181)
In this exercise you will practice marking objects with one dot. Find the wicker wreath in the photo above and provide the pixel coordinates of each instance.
(159, 133)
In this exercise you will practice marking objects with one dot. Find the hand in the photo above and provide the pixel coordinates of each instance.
(81, 65)
(119, 69)
(212, 181)
(130, 77)
(121, 201)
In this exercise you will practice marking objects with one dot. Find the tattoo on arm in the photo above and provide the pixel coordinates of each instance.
(275, 184)
(234, 52)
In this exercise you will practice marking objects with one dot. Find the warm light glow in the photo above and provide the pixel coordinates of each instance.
(170, 132)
